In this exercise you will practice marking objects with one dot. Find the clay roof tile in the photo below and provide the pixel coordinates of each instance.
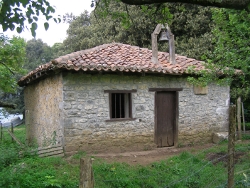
(115, 57)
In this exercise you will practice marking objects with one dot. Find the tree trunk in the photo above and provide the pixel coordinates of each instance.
(232, 4)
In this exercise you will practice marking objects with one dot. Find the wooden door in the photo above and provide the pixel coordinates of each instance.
(165, 118)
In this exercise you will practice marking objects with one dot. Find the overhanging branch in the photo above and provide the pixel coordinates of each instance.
(7, 105)
(232, 4)
(7, 67)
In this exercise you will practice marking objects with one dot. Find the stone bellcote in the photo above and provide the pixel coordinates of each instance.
(155, 44)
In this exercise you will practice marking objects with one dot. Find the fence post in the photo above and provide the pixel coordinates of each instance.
(86, 173)
(12, 131)
(1, 131)
(231, 140)
(239, 117)
(243, 119)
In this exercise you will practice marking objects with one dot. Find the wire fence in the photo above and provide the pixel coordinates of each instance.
(200, 170)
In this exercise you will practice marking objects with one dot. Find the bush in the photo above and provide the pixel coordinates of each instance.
(9, 154)
(247, 126)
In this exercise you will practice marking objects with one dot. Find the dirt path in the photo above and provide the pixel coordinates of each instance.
(147, 157)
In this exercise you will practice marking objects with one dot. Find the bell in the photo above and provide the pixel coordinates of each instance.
(164, 36)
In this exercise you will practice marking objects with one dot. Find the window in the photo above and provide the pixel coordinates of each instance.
(120, 104)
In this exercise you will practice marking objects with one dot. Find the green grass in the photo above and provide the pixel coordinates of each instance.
(182, 171)
(19, 132)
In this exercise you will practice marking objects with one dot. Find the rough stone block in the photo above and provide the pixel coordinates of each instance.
(199, 90)
(219, 136)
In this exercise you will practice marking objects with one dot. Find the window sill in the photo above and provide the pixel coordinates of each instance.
(121, 119)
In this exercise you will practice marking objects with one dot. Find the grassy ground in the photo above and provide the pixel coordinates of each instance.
(206, 168)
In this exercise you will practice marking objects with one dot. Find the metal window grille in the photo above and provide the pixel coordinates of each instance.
(120, 105)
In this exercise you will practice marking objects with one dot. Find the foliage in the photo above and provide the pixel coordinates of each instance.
(108, 25)
(28, 170)
(9, 152)
(8, 156)
(233, 4)
(247, 126)
(232, 47)
(115, 23)
(16, 98)
(37, 53)
(230, 41)
(15, 13)
(133, 25)
(12, 58)
(58, 50)
(192, 26)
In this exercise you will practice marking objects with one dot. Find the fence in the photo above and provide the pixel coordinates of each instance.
(10, 132)
(232, 177)
(54, 150)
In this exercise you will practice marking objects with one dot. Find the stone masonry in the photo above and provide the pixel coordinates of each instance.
(86, 109)
(43, 104)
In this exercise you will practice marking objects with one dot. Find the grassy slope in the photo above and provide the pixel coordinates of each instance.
(184, 170)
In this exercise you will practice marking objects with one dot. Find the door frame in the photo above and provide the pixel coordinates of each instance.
(176, 126)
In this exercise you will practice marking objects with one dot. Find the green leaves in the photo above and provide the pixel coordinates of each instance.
(33, 29)
(19, 29)
(10, 14)
(12, 57)
(231, 38)
(46, 26)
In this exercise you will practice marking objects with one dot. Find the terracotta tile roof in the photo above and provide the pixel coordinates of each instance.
(114, 57)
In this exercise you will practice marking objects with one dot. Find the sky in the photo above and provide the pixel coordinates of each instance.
(56, 32)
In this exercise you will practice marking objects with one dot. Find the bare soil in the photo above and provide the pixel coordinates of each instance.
(150, 156)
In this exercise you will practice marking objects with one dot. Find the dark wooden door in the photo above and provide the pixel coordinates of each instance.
(165, 118)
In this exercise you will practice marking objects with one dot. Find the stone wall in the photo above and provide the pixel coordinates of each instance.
(86, 109)
(43, 104)
(202, 115)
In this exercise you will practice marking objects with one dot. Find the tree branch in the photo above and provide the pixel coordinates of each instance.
(7, 105)
(232, 4)
(7, 67)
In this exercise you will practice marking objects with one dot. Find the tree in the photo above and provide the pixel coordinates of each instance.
(232, 4)
(12, 58)
(37, 53)
(14, 13)
(231, 34)
(58, 49)
(191, 25)
(107, 25)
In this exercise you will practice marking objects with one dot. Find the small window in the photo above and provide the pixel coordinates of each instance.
(120, 104)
